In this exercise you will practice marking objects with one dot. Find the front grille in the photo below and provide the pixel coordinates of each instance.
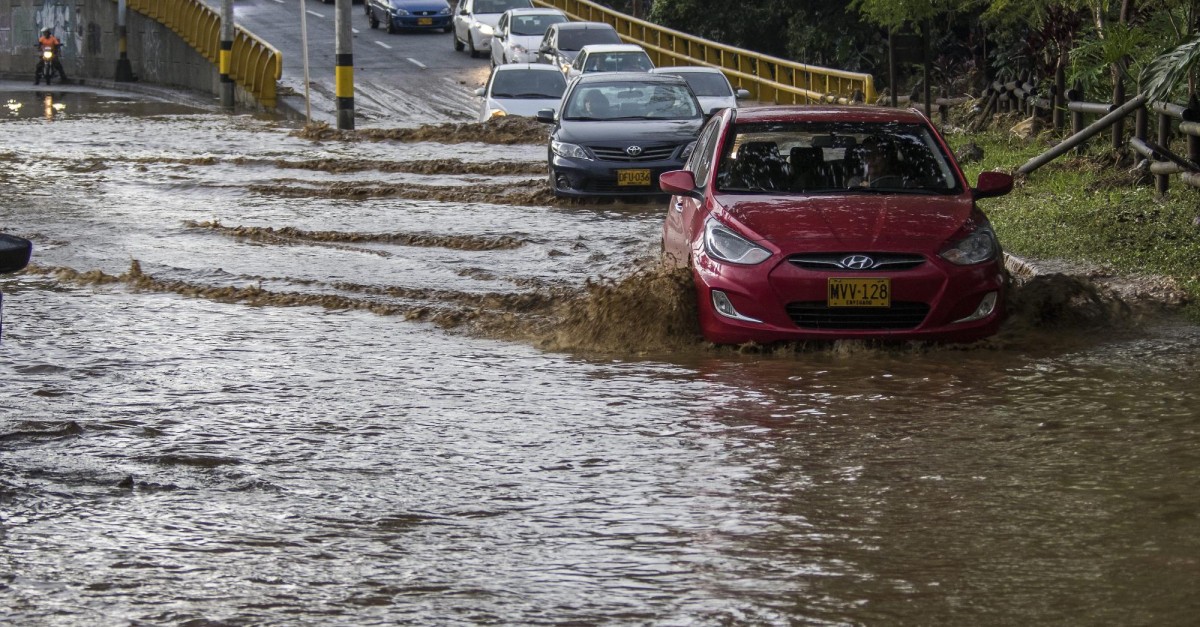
(656, 153)
(818, 315)
(834, 261)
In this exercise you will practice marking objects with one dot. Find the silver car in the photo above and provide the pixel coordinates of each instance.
(709, 84)
(521, 89)
(475, 21)
(519, 32)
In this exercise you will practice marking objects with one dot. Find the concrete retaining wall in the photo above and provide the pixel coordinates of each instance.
(88, 30)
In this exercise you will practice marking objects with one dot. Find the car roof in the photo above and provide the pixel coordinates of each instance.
(581, 25)
(535, 11)
(624, 77)
(696, 69)
(827, 113)
(529, 67)
(612, 48)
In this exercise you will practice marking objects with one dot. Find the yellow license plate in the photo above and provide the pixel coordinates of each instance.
(633, 177)
(860, 293)
(424, 21)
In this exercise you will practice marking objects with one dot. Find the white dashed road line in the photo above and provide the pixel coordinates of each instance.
(416, 63)
(380, 43)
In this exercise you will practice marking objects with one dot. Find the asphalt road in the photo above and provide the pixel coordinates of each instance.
(399, 80)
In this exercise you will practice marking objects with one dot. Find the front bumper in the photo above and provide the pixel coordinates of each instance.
(579, 178)
(421, 21)
(927, 303)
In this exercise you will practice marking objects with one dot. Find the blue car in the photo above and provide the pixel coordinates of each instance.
(409, 14)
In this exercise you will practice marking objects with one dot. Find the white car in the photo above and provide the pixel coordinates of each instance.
(475, 21)
(519, 33)
(709, 84)
(610, 58)
(521, 89)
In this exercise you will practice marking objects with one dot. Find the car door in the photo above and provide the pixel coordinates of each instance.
(500, 38)
(546, 48)
(462, 20)
(576, 68)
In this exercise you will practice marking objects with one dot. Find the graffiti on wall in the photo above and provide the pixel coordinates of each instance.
(58, 18)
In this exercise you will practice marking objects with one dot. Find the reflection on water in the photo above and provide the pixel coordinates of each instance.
(227, 406)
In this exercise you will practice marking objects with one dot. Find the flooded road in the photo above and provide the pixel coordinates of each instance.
(256, 378)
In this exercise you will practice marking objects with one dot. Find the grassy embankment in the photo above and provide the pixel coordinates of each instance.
(1084, 208)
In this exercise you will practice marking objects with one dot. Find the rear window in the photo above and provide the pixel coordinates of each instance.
(575, 39)
(841, 157)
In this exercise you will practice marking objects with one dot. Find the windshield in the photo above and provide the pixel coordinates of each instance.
(706, 84)
(534, 24)
(528, 84)
(618, 62)
(841, 157)
(574, 39)
(632, 100)
(500, 6)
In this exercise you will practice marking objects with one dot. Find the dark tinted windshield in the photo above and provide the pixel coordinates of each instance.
(841, 157)
(706, 84)
(500, 6)
(534, 24)
(528, 84)
(574, 39)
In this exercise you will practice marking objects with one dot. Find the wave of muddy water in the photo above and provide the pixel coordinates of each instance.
(256, 377)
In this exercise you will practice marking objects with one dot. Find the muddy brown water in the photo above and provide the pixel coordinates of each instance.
(225, 400)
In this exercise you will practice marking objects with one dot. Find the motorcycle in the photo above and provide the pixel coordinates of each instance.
(46, 66)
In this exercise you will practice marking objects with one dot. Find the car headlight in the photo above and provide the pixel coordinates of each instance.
(495, 113)
(484, 29)
(978, 247)
(687, 151)
(571, 151)
(445, 11)
(519, 48)
(399, 11)
(723, 244)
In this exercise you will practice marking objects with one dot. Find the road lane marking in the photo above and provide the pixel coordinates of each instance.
(315, 13)
(384, 45)
(416, 63)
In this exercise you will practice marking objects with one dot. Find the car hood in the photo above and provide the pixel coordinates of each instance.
(528, 42)
(709, 103)
(610, 131)
(850, 221)
(491, 19)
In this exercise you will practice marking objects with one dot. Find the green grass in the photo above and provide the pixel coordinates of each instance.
(1085, 208)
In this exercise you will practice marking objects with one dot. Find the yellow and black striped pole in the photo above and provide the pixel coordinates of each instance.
(343, 74)
(226, 60)
(124, 69)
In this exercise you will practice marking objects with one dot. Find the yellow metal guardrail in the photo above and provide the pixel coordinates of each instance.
(768, 78)
(256, 65)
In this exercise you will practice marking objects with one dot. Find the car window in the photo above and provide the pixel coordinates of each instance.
(702, 156)
(534, 24)
(631, 100)
(807, 157)
(618, 62)
(575, 39)
(707, 84)
(528, 84)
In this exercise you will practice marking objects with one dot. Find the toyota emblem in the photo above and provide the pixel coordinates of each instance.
(633, 151)
(858, 262)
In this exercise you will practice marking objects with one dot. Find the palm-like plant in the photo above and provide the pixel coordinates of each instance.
(1165, 72)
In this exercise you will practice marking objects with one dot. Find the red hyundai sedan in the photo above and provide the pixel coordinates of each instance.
(826, 222)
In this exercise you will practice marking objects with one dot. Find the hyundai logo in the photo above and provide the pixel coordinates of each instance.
(858, 262)
(633, 151)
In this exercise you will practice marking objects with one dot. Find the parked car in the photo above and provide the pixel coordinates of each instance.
(521, 89)
(396, 15)
(475, 21)
(710, 85)
(824, 222)
(14, 255)
(615, 132)
(610, 58)
(519, 32)
(563, 41)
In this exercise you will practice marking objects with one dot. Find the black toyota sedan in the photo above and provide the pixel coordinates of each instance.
(616, 132)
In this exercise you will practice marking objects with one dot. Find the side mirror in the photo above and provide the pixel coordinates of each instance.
(992, 184)
(679, 183)
(545, 116)
(479, 91)
(14, 253)
(742, 94)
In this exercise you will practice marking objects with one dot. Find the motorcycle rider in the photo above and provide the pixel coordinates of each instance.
(47, 38)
